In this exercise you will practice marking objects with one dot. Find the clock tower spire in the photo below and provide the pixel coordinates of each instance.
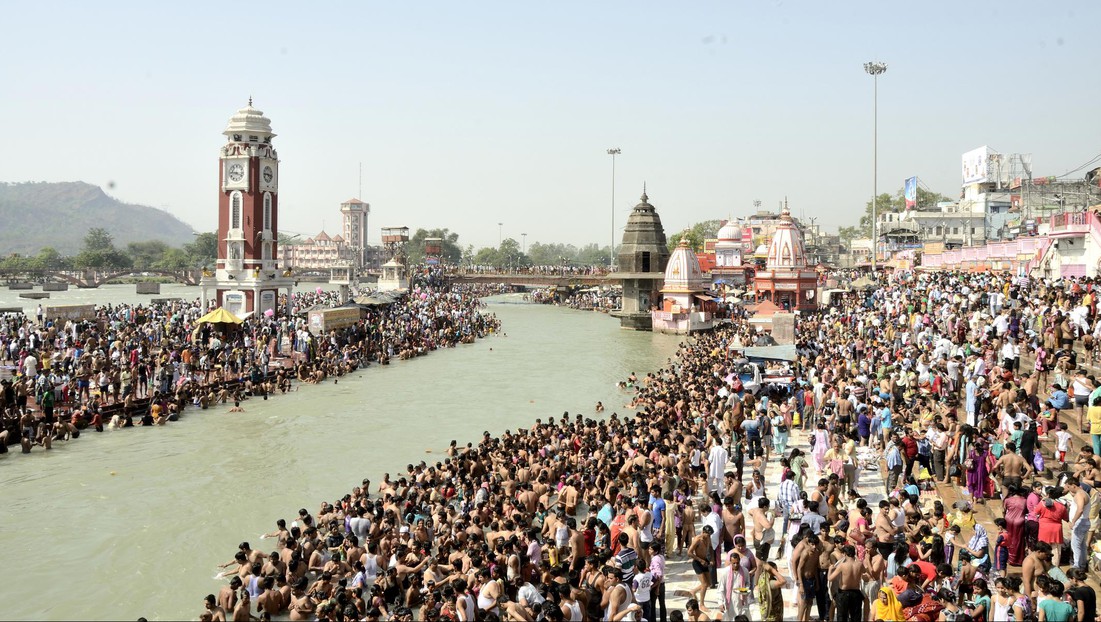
(246, 279)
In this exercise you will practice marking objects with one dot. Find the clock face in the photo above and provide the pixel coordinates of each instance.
(236, 172)
(268, 174)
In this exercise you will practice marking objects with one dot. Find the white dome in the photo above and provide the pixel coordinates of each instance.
(730, 232)
(249, 121)
(683, 273)
(761, 250)
(786, 250)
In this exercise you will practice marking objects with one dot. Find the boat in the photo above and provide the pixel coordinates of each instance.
(35, 295)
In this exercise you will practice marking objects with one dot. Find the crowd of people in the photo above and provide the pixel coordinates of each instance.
(930, 388)
(142, 365)
(588, 299)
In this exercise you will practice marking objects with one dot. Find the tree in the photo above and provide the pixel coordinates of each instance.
(203, 251)
(147, 253)
(99, 252)
(49, 258)
(696, 234)
(886, 202)
(593, 255)
(174, 259)
(451, 252)
(551, 254)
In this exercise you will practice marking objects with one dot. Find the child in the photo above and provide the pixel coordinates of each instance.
(950, 543)
(1062, 445)
(1016, 434)
(1001, 547)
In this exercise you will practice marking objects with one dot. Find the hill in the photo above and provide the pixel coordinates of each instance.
(35, 215)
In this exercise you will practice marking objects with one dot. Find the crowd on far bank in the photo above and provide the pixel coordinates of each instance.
(142, 365)
(930, 388)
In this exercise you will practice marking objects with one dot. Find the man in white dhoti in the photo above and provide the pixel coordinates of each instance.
(716, 465)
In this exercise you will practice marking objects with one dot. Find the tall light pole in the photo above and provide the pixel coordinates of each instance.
(875, 68)
(524, 248)
(500, 236)
(611, 251)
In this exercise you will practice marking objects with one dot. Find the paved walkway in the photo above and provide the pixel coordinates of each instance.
(679, 575)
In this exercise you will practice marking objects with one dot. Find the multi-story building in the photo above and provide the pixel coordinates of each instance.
(354, 215)
(321, 253)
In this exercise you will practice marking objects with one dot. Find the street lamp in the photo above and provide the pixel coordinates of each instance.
(874, 69)
(611, 251)
(524, 248)
(500, 238)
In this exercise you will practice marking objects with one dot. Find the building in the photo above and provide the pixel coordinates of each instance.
(643, 256)
(246, 279)
(320, 253)
(354, 213)
(787, 281)
(730, 265)
(684, 307)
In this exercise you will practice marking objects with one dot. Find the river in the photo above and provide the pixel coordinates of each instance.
(133, 522)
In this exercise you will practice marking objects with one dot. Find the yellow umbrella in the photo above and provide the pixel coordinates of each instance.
(219, 316)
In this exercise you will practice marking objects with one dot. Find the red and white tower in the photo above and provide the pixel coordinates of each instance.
(247, 279)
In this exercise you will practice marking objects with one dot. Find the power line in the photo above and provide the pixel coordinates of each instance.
(1094, 159)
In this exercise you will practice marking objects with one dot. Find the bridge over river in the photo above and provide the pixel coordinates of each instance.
(537, 280)
(95, 278)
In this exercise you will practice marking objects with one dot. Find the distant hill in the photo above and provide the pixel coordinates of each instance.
(35, 215)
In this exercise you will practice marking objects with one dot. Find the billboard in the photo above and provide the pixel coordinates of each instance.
(910, 193)
(974, 165)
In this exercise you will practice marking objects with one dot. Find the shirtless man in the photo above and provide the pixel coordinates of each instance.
(702, 555)
(805, 559)
(217, 614)
(1012, 468)
(227, 596)
(763, 521)
(1035, 565)
(848, 572)
(885, 528)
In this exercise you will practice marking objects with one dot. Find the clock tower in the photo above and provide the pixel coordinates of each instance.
(247, 279)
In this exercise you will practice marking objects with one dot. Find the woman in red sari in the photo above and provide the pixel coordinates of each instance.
(1015, 510)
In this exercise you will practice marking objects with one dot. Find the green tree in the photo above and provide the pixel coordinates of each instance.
(886, 202)
(487, 256)
(450, 249)
(593, 255)
(48, 258)
(146, 253)
(174, 259)
(551, 254)
(696, 234)
(99, 251)
(203, 251)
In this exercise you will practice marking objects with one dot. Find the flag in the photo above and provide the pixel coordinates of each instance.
(910, 193)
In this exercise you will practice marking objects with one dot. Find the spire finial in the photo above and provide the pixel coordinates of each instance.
(644, 197)
(250, 101)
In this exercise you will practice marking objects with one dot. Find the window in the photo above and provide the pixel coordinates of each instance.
(645, 261)
(235, 210)
(972, 231)
(267, 211)
(955, 230)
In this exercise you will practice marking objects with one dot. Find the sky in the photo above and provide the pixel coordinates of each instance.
(468, 114)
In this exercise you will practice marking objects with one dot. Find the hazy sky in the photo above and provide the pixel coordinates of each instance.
(466, 114)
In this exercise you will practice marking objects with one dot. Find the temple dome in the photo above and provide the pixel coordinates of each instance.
(249, 121)
(786, 250)
(683, 273)
(730, 232)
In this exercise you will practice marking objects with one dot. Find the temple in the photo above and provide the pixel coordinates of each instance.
(787, 281)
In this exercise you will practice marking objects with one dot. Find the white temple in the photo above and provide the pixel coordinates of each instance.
(685, 307)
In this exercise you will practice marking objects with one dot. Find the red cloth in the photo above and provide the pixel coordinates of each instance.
(1015, 510)
(1051, 522)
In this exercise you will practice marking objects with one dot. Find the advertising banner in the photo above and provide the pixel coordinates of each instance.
(910, 193)
(974, 165)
